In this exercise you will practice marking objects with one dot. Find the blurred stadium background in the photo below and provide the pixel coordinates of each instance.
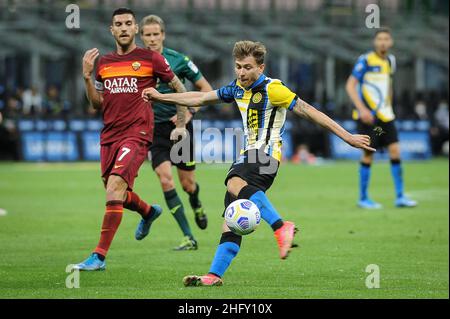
(312, 45)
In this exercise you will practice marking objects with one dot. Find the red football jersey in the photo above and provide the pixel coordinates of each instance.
(122, 78)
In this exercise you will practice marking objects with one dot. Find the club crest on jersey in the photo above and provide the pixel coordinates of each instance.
(136, 65)
(257, 98)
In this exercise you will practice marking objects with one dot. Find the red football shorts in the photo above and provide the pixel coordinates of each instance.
(123, 158)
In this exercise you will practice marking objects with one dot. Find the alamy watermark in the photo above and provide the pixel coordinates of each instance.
(373, 279)
(373, 19)
(214, 145)
(73, 17)
(73, 277)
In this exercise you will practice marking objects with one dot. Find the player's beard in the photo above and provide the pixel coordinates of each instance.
(125, 43)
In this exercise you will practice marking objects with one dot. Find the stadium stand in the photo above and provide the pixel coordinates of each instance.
(312, 44)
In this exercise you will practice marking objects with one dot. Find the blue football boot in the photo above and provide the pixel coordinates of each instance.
(92, 263)
(143, 227)
(369, 204)
(404, 201)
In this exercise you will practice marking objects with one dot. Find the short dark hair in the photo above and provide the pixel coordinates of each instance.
(383, 30)
(123, 11)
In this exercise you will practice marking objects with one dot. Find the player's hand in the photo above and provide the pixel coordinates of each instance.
(367, 117)
(188, 117)
(361, 141)
(88, 62)
(151, 94)
(178, 134)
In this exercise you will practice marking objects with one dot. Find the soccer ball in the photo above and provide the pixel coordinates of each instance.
(242, 216)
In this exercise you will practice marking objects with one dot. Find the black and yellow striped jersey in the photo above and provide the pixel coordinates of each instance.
(374, 75)
(263, 108)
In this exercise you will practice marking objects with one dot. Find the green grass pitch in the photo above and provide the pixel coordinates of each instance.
(55, 213)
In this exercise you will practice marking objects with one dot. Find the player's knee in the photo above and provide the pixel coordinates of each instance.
(188, 184)
(116, 188)
(367, 158)
(166, 179)
(394, 154)
(167, 182)
(235, 184)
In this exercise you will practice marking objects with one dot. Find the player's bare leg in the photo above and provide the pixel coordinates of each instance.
(394, 151)
(116, 188)
(187, 180)
(164, 173)
(397, 174)
(235, 185)
(367, 157)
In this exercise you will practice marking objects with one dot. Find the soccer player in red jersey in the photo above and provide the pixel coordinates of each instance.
(128, 125)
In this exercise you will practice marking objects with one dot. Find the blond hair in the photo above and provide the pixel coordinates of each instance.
(243, 49)
(152, 19)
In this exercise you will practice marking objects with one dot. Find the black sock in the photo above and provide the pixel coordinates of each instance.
(193, 198)
(101, 257)
(277, 225)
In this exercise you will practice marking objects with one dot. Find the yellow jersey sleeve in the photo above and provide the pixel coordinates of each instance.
(280, 95)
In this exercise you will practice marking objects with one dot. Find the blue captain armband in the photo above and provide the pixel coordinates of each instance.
(294, 101)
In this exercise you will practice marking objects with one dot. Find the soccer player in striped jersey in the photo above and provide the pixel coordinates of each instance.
(128, 125)
(153, 34)
(263, 103)
(370, 89)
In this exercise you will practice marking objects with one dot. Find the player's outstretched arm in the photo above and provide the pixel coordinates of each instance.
(201, 85)
(94, 96)
(187, 99)
(179, 87)
(309, 112)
